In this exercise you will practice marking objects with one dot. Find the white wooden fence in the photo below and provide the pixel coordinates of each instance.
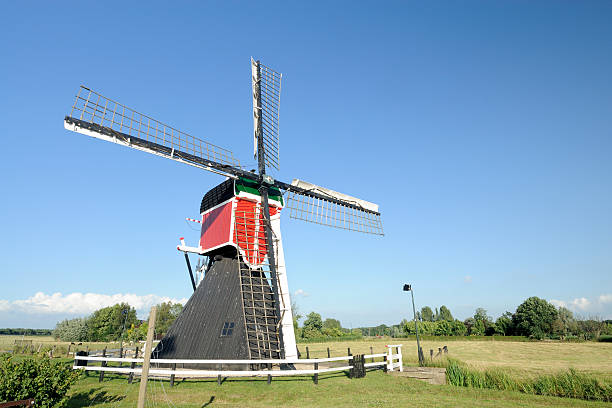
(390, 361)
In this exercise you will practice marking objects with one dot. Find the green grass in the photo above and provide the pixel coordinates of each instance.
(568, 384)
(549, 360)
(375, 390)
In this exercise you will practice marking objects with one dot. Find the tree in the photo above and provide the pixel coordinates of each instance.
(109, 323)
(534, 318)
(481, 314)
(427, 314)
(445, 314)
(312, 325)
(167, 313)
(459, 328)
(71, 330)
(565, 324)
(444, 328)
(591, 328)
(503, 324)
(296, 315)
(330, 323)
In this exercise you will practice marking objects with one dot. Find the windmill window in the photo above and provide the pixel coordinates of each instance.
(228, 329)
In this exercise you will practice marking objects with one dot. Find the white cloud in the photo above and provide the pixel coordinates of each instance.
(80, 303)
(577, 304)
(300, 292)
(467, 279)
(559, 303)
(607, 298)
(581, 303)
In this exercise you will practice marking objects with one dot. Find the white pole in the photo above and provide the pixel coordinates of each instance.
(147, 358)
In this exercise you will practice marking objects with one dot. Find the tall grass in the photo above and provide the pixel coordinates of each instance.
(569, 384)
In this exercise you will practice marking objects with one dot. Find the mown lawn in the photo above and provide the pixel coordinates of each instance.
(375, 390)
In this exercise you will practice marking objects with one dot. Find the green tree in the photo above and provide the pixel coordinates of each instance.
(534, 318)
(503, 324)
(481, 314)
(427, 314)
(443, 328)
(565, 324)
(167, 312)
(71, 330)
(445, 314)
(109, 323)
(459, 328)
(332, 332)
(296, 316)
(312, 325)
(330, 323)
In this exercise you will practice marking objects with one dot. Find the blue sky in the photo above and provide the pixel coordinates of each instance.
(482, 129)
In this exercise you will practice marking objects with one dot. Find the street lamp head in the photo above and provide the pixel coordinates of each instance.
(407, 287)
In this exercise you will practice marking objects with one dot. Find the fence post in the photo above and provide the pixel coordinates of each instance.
(328, 355)
(219, 379)
(269, 379)
(399, 358)
(132, 366)
(389, 359)
(316, 376)
(431, 354)
(372, 352)
(307, 352)
(144, 377)
(349, 351)
(103, 365)
(121, 356)
(172, 376)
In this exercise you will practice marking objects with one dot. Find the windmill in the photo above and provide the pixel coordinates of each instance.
(241, 307)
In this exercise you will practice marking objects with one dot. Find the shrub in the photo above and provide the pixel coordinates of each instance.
(605, 339)
(35, 377)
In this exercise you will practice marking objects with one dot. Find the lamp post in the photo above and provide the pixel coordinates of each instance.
(408, 288)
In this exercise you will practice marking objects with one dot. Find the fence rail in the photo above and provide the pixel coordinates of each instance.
(390, 361)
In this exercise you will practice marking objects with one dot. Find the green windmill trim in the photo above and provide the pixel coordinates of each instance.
(252, 187)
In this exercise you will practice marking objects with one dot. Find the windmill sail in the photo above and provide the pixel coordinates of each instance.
(95, 115)
(266, 105)
(320, 205)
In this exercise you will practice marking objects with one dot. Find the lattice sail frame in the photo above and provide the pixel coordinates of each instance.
(269, 91)
(331, 212)
(93, 108)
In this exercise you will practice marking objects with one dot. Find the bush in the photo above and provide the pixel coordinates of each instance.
(605, 339)
(36, 377)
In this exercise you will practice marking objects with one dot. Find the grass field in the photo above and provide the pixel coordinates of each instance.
(7, 342)
(377, 389)
(521, 357)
